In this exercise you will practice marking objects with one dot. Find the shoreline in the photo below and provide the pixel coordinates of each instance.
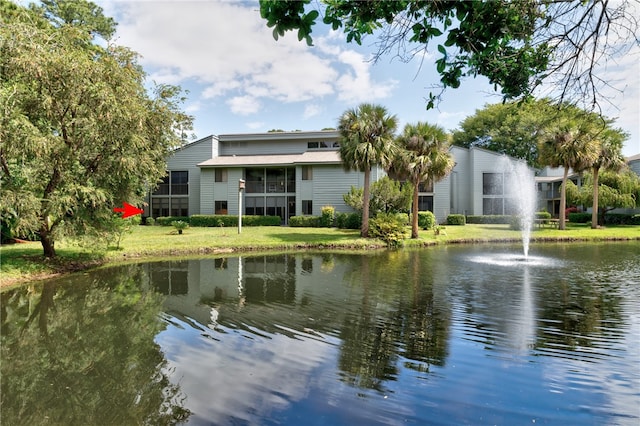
(64, 266)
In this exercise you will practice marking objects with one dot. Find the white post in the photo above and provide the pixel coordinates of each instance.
(240, 189)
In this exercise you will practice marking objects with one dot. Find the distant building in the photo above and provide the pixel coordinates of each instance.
(297, 173)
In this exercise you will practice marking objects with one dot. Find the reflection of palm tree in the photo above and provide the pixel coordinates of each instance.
(92, 359)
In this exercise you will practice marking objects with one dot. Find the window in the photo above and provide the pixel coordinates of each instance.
(312, 145)
(425, 186)
(307, 207)
(254, 206)
(160, 206)
(221, 207)
(179, 183)
(492, 206)
(307, 173)
(425, 203)
(179, 206)
(221, 175)
(492, 184)
(163, 186)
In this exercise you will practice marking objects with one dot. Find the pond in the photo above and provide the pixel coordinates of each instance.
(445, 335)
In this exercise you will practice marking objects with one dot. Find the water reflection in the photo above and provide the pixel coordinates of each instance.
(425, 336)
(83, 352)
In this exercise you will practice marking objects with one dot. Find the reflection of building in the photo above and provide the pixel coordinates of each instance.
(297, 173)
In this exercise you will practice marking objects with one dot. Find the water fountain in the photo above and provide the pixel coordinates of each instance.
(520, 186)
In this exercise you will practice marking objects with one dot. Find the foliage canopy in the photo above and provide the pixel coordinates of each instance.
(79, 133)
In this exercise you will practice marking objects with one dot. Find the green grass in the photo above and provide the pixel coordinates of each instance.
(24, 262)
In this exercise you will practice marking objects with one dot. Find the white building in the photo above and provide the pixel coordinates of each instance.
(297, 173)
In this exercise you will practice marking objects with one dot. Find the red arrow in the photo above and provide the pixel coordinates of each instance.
(128, 210)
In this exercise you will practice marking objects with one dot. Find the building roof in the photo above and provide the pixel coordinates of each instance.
(308, 157)
(633, 158)
(270, 136)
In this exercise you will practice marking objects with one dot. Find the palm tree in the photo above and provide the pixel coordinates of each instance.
(424, 157)
(366, 139)
(610, 158)
(569, 143)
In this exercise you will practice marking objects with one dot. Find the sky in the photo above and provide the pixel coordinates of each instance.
(241, 80)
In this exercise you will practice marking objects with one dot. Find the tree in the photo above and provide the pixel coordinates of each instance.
(617, 189)
(610, 158)
(387, 196)
(569, 143)
(515, 44)
(510, 128)
(79, 134)
(366, 139)
(424, 157)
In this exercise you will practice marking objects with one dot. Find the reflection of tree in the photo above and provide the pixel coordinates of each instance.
(91, 359)
(577, 311)
(398, 318)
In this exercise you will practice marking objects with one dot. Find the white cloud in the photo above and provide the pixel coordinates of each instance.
(311, 110)
(254, 125)
(244, 105)
(228, 49)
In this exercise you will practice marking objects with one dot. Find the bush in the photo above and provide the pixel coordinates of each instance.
(389, 228)
(456, 219)
(232, 220)
(166, 220)
(621, 219)
(543, 215)
(580, 217)
(180, 225)
(489, 219)
(150, 221)
(328, 216)
(304, 221)
(426, 220)
(403, 218)
(348, 220)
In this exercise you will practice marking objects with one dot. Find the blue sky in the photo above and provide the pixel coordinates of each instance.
(241, 80)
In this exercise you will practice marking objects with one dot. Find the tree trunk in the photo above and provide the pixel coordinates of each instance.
(364, 229)
(414, 212)
(48, 244)
(594, 208)
(563, 200)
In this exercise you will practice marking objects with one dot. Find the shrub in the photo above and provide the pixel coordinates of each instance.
(580, 217)
(166, 220)
(621, 219)
(180, 225)
(403, 218)
(426, 220)
(489, 219)
(456, 219)
(542, 215)
(232, 220)
(304, 221)
(348, 220)
(389, 228)
(150, 221)
(327, 217)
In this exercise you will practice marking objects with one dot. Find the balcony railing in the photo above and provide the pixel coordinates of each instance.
(270, 187)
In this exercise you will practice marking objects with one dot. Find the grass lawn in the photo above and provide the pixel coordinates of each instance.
(24, 262)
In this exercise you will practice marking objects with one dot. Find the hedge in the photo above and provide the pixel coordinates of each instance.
(232, 220)
(491, 219)
(166, 220)
(456, 219)
(304, 221)
(579, 217)
(348, 220)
